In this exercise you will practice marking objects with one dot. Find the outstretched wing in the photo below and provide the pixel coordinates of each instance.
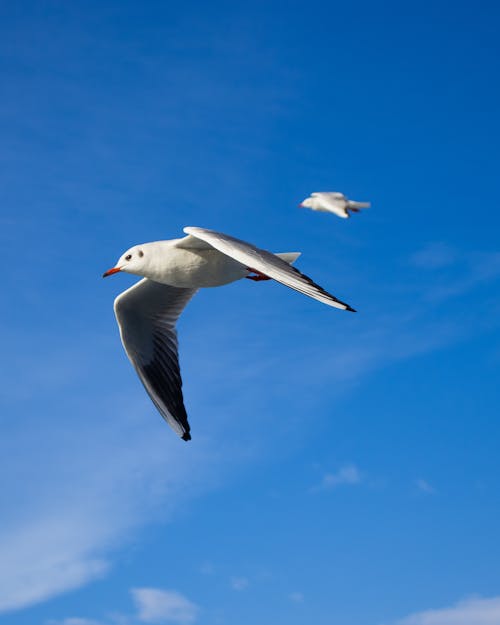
(335, 202)
(266, 263)
(146, 315)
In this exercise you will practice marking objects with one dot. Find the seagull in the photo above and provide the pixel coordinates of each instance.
(172, 271)
(333, 202)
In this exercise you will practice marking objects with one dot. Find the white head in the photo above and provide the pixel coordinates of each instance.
(309, 202)
(136, 260)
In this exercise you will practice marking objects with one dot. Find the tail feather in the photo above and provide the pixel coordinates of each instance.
(289, 257)
(353, 205)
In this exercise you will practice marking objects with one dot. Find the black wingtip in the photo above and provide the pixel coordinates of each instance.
(186, 436)
(350, 309)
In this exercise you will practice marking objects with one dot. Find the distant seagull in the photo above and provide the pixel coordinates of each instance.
(173, 271)
(333, 202)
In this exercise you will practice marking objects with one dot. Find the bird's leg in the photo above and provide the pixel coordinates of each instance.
(258, 276)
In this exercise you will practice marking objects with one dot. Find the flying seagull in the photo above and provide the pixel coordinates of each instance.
(172, 272)
(333, 202)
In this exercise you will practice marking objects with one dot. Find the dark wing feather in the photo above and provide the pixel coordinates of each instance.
(266, 263)
(146, 315)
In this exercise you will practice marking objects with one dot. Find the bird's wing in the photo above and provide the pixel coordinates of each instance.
(335, 194)
(192, 243)
(146, 315)
(335, 202)
(266, 263)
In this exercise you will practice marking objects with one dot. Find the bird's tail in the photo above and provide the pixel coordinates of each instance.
(357, 205)
(289, 257)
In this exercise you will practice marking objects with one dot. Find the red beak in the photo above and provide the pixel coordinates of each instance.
(301, 205)
(110, 272)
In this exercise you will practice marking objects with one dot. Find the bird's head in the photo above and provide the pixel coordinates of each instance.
(307, 203)
(135, 260)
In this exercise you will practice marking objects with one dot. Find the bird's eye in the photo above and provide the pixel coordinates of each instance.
(128, 256)
(141, 253)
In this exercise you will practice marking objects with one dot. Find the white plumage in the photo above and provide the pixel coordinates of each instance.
(172, 272)
(333, 202)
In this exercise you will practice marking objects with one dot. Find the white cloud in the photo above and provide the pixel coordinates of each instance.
(239, 583)
(48, 557)
(163, 606)
(475, 611)
(349, 474)
(43, 558)
(82, 492)
(425, 487)
(153, 605)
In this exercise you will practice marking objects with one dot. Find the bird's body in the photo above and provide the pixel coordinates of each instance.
(333, 202)
(172, 272)
(189, 267)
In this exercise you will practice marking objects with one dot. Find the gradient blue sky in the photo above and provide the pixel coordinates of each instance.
(343, 468)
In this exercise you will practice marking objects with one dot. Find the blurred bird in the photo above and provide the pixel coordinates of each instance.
(333, 202)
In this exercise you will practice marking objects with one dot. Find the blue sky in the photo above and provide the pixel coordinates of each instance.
(343, 468)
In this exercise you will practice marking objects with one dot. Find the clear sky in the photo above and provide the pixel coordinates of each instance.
(344, 469)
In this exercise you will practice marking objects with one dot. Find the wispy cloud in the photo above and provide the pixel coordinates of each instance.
(474, 611)
(75, 621)
(425, 487)
(157, 606)
(239, 583)
(434, 256)
(296, 597)
(481, 269)
(84, 490)
(395, 339)
(45, 557)
(455, 273)
(403, 333)
(163, 606)
(348, 475)
(207, 568)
